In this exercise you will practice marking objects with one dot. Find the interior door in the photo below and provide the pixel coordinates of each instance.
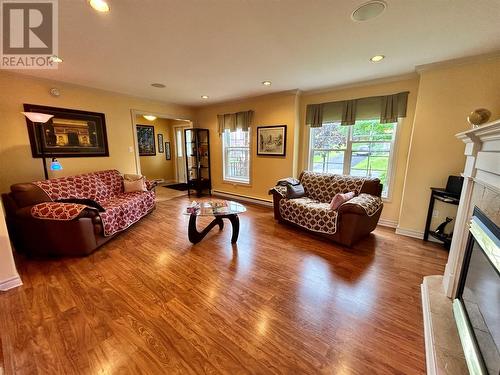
(180, 158)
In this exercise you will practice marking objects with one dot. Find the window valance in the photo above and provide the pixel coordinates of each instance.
(233, 121)
(388, 108)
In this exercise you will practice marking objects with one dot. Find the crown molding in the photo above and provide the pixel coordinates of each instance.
(371, 82)
(456, 62)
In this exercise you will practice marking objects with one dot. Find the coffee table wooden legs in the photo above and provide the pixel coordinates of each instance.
(195, 236)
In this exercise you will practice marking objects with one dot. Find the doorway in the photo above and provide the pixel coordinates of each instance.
(180, 156)
(159, 149)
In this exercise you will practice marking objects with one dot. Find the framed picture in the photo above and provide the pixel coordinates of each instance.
(70, 133)
(271, 140)
(167, 151)
(160, 143)
(146, 140)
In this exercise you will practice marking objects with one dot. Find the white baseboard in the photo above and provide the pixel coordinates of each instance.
(415, 234)
(243, 198)
(10, 283)
(388, 223)
(410, 233)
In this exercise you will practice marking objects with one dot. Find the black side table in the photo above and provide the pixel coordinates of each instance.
(443, 196)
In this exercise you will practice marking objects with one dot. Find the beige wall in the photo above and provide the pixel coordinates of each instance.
(15, 155)
(445, 97)
(390, 212)
(279, 109)
(157, 166)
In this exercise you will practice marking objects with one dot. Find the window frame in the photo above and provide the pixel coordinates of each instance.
(236, 181)
(348, 156)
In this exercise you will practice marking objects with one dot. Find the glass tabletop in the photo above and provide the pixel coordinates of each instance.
(215, 208)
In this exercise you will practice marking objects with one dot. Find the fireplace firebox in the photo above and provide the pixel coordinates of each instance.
(477, 306)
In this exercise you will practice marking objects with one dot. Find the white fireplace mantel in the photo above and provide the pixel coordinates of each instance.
(481, 187)
(482, 166)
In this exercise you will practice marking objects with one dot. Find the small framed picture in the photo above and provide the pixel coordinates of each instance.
(160, 143)
(271, 140)
(167, 150)
(146, 140)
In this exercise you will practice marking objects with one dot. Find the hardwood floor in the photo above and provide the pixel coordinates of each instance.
(279, 302)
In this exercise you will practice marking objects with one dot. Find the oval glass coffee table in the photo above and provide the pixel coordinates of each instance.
(219, 210)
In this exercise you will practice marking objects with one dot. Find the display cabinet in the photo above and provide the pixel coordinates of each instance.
(197, 149)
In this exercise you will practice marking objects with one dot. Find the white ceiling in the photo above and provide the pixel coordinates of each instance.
(225, 48)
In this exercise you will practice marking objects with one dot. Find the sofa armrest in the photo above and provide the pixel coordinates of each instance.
(278, 195)
(151, 184)
(57, 211)
(363, 204)
(280, 190)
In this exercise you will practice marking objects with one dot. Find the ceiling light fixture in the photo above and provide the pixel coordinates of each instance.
(267, 83)
(158, 85)
(377, 58)
(55, 59)
(369, 10)
(204, 96)
(149, 117)
(99, 5)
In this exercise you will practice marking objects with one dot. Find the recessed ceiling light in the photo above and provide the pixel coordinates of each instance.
(55, 59)
(158, 85)
(368, 10)
(267, 83)
(204, 96)
(99, 5)
(149, 117)
(377, 58)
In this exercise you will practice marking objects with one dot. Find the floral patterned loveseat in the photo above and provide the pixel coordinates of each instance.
(41, 224)
(352, 221)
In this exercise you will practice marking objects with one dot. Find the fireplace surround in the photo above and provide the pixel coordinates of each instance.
(481, 189)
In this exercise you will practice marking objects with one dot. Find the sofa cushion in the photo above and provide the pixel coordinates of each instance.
(310, 214)
(323, 186)
(125, 209)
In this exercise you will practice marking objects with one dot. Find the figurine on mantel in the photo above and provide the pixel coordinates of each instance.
(478, 117)
(440, 229)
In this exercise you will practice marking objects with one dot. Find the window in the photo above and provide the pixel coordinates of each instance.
(363, 149)
(236, 155)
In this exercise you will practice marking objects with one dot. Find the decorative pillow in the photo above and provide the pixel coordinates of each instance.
(294, 191)
(136, 185)
(132, 177)
(340, 199)
(87, 202)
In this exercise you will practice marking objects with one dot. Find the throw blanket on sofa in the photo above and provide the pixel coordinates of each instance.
(323, 186)
(105, 187)
(57, 211)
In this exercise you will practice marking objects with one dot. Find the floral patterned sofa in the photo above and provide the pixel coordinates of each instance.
(352, 221)
(39, 224)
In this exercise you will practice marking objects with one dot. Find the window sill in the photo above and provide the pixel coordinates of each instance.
(236, 182)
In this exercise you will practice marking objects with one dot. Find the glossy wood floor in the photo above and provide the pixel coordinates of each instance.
(279, 302)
